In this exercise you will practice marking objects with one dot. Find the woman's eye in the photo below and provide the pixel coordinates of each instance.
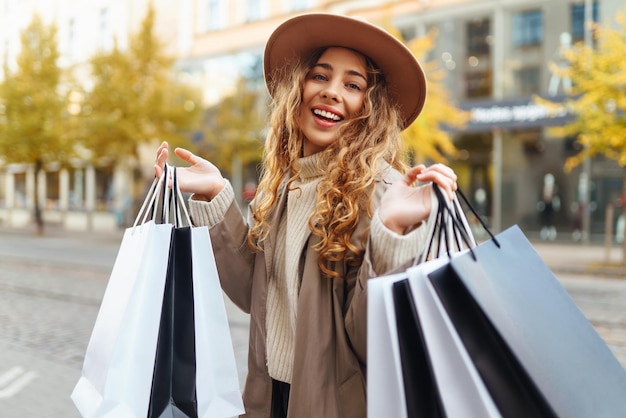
(354, 86)
(320, 77)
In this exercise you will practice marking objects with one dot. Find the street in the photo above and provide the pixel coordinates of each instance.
(50, 293)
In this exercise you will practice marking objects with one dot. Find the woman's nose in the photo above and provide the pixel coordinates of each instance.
(330, 92)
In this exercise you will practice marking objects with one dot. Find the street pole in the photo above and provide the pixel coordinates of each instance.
(586, 215)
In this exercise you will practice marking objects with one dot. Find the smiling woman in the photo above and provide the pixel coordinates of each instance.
(336, 206)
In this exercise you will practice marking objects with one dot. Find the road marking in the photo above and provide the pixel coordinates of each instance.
(14, 380)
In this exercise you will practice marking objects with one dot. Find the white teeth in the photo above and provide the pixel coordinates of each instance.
(326, 114)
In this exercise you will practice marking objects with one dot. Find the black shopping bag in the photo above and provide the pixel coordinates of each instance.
(174, 380)
(420, 389)
(535, 350)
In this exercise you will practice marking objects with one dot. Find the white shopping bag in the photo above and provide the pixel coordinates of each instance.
(385, 388)
(461, 390)
(117, 370)
(217, 381)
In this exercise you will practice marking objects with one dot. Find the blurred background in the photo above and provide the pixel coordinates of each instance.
(526, 101)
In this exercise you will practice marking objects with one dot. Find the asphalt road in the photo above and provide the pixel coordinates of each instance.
(50, 293)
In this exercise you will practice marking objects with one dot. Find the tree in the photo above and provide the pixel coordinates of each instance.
(598, 97)
(137, 100)
(33, 110)
(234, 129)
(428, 137)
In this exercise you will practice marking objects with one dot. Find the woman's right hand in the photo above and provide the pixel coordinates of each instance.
(201, 178)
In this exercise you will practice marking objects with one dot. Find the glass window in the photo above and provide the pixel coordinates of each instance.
(256, 9)
(478, 84)
(527, 81)
(106, 36)
(216, 14)
(528, 28)
(578, 20)
(71, 37)
(295, 5)
(478, 37)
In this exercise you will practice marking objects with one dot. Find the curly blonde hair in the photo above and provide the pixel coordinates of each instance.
(351, 164)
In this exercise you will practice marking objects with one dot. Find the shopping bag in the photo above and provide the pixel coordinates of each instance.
(534, 349)
(385, 386)
(117, 369)
(448, 385)
(419, 387)
(401, 380)
(217, 379)
(174, 379)
(439, 377)
(195, 373)
(161, 345)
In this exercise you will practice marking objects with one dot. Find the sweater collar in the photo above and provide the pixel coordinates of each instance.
(309, 167)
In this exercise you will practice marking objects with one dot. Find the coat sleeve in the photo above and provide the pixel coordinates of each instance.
(233, 257)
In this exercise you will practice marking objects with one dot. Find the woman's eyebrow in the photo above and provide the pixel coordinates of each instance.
(330, 68)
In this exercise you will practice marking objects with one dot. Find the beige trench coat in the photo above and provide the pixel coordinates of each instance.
(330, 347)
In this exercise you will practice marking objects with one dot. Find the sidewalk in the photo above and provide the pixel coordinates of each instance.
(591, 259)
(578, 258)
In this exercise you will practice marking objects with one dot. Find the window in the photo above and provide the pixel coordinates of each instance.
(527, 81)
(478, 84)
(527, 28)
(478, 77)
(71, 37)
(295, 5)
(216, 13)
(106, 37)
(478, 33)
(578, 20)
(255, 9)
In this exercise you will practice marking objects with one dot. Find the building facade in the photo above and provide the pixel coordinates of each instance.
(496, 54)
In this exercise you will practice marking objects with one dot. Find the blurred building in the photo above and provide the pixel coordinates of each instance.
(495, 52)
(83, 196)
(497, 55)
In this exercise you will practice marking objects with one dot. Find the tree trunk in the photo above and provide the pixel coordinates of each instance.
(36, 203)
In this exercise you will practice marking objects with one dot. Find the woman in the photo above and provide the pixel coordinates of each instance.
(335, 206)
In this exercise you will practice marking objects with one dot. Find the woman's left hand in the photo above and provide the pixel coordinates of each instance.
(403, 205)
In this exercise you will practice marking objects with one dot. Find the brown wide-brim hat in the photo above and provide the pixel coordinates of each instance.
(302, 35)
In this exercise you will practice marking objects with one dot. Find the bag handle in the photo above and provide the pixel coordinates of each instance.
(450, 231)
(466, 233)
(180, 202)
(151, 202)
(163, 203)
(477, 216)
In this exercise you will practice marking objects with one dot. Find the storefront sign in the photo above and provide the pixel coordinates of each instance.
(518, 113)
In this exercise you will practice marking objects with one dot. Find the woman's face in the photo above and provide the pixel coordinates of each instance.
(334, 91)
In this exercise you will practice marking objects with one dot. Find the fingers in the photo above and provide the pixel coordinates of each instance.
(441, 174)
(163, 154)
(413, 173)
(187, 155)
(161, 158)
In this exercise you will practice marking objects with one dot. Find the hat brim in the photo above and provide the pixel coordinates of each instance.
(303, 34)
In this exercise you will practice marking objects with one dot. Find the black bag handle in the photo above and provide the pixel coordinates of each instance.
(456, 221)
